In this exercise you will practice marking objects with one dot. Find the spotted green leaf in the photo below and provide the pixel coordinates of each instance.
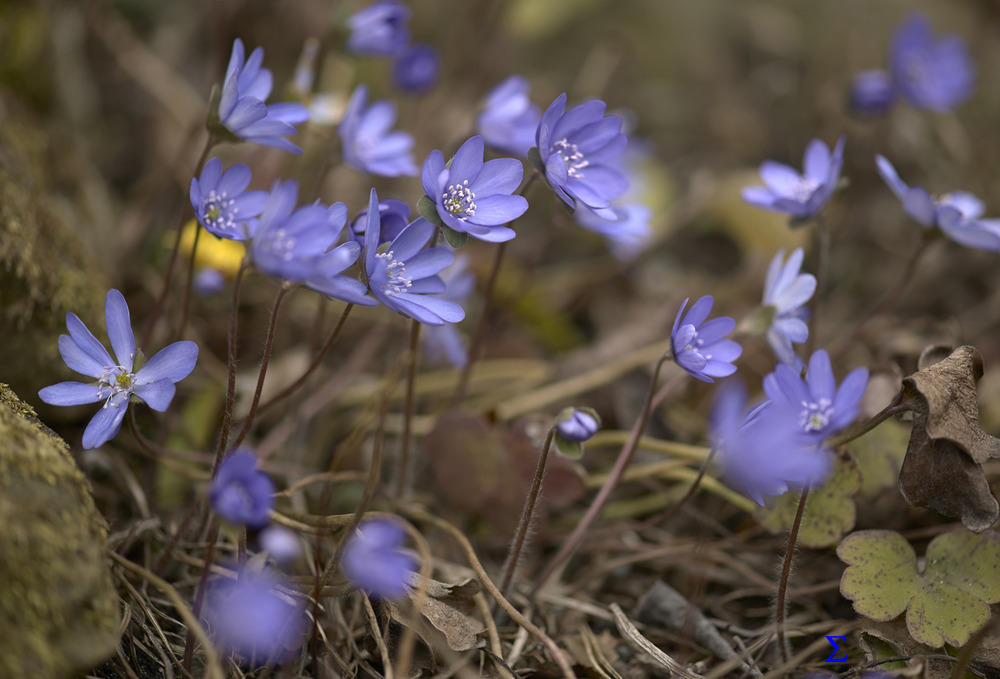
(945, 603)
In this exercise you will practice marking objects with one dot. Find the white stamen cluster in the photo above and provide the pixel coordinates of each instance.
(816, 416)
(117, 380)
(804, 190)
(575, 161)
(219, 211)
(459, 200)
(395, 270)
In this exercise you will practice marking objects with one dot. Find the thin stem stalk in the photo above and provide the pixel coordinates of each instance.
(786, 570)
(411, 378)
(227, 413)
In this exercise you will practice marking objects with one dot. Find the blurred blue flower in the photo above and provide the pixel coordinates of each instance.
(474, 197)
(240, 493)
(417, 69)
(300, 245)
(787, 291)
(698, 345)
(221, 202)
(822, 408)
(444, 344)
(627, 235)
(936, 74)
(580, 153)
(242, 110)
(800, 196)
(394, 216)
(369, 143)
(872, 92)
(208, 282)
(509, 120)
(116, 382)
(251, 616)
(380, 29)
(404, 277)
(956, 214)
(374, 561)
(577, 424)
(763, 451)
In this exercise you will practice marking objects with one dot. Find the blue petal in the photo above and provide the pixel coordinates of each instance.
(411, 239)
(432, 169)
(174, 363)
(234, 181)
(79, 360)
(498, 209)
(71, 394)
(86, 341)
(428, 263)
(119, 328)
(246, 112)
(502, 175)
(157, 395)
(467, 162)
(105, 425)
(816, 164)
(780, 178)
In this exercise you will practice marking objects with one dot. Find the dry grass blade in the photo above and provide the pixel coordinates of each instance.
(634, 637)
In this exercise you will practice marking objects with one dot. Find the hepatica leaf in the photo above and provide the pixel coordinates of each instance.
(944, 604)
(829, 511)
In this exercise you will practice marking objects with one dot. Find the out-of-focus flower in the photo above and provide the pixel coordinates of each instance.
(417, 69)
(394, 216)
(580, 153)
(117, 378)
(698, 345)
(931, 73)
(242, 110)
(444, 343)
(474, 197)
(786, 291)
(208, 282)
(252, 617)
(799, 196)
(763, 451)
(872, 92)
(956, 214)
(369, 143)
(221, 202)
(404, 277)
(240, 493)
(279, 542)
(577, 424)
(374, 561)
(300, 245)
(509, 120)
(380, 29)
(823, 409)
(627, 235)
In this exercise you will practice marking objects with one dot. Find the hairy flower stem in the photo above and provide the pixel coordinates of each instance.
(888, 301)
(527, 516)
(268, 346)
(786, 570)
(317, 359)
(621, 464)
(186, 211)
(411, 379)
(227, 413)
(895, 408)
(475, 346)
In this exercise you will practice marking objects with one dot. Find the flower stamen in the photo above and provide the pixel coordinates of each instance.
(459, 200)
(573, 157)
(395, 271)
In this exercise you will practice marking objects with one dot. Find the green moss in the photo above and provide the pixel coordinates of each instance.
(59, 613)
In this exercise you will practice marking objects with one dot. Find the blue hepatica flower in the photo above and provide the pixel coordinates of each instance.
(936, 74)
(240, 493)
(221, 202)
(872, 92)
(822, 409)
(404, 276)
(763, 451)
(300, 245)
(242, 110)
(380, 29)
(698, 345)
(956, 214)
(786, 291)
(394, 216)
(474, 197)
(374, 561)
(509, 120)
(580, 151)
(117, 379)
(444, 344)
(417, 69)
(799, 196)
(369, 143)
(577, 424)
(251, 616)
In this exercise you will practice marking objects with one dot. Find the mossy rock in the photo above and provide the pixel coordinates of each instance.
(59, 612)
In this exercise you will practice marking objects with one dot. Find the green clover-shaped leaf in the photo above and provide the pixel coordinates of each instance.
(829, 512)
(944, 604)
